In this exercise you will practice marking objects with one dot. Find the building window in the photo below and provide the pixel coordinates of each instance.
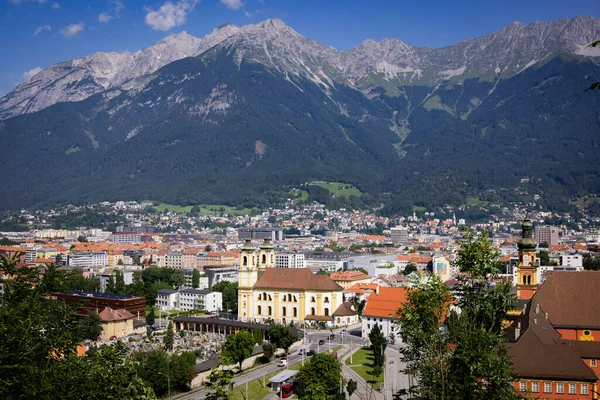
(535, 387)
(547, 387)
(295, 312)
(245, 262)
(259, 296)
(522, 386)
(327, 312)
(593, 362)
(560, 388)
(264, 259)
(270, 311)
(572, 388)
(312, 299)
(326, 299)
(584, 388)
(284, 311)
(259, 310)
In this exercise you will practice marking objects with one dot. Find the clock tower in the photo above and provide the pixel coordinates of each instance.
(527, 281)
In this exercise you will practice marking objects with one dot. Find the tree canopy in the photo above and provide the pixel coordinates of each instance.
(237, 348)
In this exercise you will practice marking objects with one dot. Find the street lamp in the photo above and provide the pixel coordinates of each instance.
(168, 383)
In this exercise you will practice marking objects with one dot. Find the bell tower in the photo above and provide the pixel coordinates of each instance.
(266, 256)
(527, 281)
(247, 277)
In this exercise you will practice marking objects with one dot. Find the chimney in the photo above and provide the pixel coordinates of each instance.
(537, 308)
(377, 290)
(546, 315)
(518, 330)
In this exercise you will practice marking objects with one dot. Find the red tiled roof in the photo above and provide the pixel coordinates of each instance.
(109, 315)
(385, 302)
(295, 279)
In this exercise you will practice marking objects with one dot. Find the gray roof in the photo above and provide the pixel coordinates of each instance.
(283, 376)
(195, 291)
(167, 291)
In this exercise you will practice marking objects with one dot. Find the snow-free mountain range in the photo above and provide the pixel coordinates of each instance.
(260, 109)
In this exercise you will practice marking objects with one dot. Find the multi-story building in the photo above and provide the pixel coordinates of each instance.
(290, 260)
(272, 234)
(399, 234)
(190, 299)
(220, 274)
(84, 302)
(218, 259)
(546, 234)
(284, 294)
(571, 260)
(126, 238)
(188, 273)
(349, 278)
(104, 278)
(382, 306)
(327, 260)
(88, 258)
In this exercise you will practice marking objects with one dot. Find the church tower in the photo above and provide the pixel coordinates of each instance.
(527, 281)
(266, 256)
(247, 277)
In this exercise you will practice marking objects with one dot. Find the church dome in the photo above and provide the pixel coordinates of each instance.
(527, 242)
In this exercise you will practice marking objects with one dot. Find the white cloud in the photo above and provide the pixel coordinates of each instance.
(41, 29)
(169, 15)
(233, 4)
(27, 75)
(104, 17)
(72, 30)
(248, 14)
(119, 6)
(17, 2)
(55, 5)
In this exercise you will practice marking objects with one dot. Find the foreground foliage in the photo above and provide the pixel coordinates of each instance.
(465, 357)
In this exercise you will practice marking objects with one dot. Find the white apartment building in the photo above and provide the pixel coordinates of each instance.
(399, 234)
(571, 260)
(127, 278)
(190, 299)
(88, 258)
(290, 260)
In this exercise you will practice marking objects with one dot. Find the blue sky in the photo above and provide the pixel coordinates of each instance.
(38, 33)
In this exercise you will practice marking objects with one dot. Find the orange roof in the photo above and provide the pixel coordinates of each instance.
(415, 258)
(371, 237)
(108, 314)
(403, 257)
(44, 260)
(385, 302)
(349, 275)
(11, 249)
(361, 287)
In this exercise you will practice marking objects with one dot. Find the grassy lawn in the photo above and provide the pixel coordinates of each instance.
(362, 363)
(205, 209)
(419, 208)
(256, 390)
(339, 189)
(476, 201)
(302, 198)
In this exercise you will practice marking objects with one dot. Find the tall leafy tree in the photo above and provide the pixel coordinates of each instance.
(282, 337)
(378, 345)
(169, 337)
(195, 279)
(111, 285)
(237, 348)
(150, 317)
(221, 384)
(465, 357)
(319, 378)
(119, 282)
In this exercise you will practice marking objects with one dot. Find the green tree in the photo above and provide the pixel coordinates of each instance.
(91, 326)
(409, 269)
(230, 293)
(111, 286)
(351, 387)
(470, 360)
(268, 351)
(169, 337)
(195, 279)
(119, 282)
(151, 317)
(53, 279)
(221, 382)
(177, 278)
(282, 337)
(257, 335)
(319, 378)
(120, 262)
(237, 348)
(378, 345)
(361, 269)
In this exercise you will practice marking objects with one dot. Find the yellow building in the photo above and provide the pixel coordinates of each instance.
(349, 278)
(283, 294)
(116, 323)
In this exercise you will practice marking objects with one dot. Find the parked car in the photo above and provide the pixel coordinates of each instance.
(310, 353)
(282, 362)
(331, 336)
(301, 351)
(321, 342)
